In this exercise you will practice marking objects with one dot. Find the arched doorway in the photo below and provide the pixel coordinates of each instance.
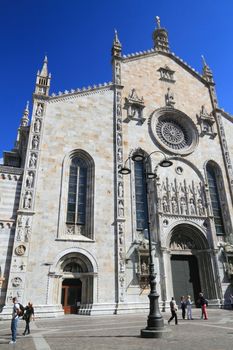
(191, 264)
(76, 282)
(71, 295)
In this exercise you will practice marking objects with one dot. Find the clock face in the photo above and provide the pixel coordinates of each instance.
(174, 131)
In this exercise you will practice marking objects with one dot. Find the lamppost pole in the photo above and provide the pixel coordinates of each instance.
(155, 324)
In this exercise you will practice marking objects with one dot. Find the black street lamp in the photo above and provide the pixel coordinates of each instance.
(155, 324)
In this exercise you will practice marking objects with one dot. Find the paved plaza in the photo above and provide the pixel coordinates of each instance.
(72, 332)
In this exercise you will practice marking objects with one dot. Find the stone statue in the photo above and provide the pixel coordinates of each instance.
(32, 160)
(169, 98)
(27, 200)
(192, 206)
(120, 189)
(39, 110)
(35, 142)
(37, 125)
(29, 180)
(183, 206)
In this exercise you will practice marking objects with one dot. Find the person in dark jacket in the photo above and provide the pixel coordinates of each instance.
(183, 306)
(28, 315)
(173, 308)
(203, 302)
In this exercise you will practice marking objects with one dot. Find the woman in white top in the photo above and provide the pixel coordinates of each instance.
(189, 308)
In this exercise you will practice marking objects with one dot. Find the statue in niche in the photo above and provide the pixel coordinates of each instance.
(118, 124)
(119, 139)
(118, 73)
(27, 200)
(192, 208)
(119, 155)
(118, 97)
(122, 281)
(37, 125)
(39, 110)
(32, 160)
(165, 205)
(20, 221)
(121, 208)
(120, 228)
(169, 98)
(183, 206)
(122, 266)
(135, 111)
(200, 208)
(35, 142)
(120, 189)
(174, 205)
(118, 109)
(19, 234)
(144, 268)
(30, 179)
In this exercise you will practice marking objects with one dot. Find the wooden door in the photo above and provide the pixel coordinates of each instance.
(71, 295)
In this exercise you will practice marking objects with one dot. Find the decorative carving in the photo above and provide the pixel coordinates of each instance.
(120, 189)
(121, 208)
(16, 282)
(134, 106)
(182, 242)
(206, 122)
(20, 234)
(181, 199)
(169, 98)
(166, 74)
(118, 73)
(20, 249)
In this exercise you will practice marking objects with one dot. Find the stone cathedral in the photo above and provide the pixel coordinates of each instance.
(74, 230)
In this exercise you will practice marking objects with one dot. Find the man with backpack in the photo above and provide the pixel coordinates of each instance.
(14, 321)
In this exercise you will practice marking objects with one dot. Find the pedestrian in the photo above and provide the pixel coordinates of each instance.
(189, 307)
(173, 308)
(183, 306)
(231, 300)
(28, 315)
(14, 320)
(204, 303)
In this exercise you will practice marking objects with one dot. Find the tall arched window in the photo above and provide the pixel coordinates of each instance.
(79, 203)
(140, 197)
(215, 198)
(77, 193)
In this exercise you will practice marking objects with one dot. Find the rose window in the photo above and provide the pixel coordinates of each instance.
(173, 134)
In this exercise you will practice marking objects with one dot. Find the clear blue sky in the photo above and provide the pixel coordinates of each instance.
(77, 37)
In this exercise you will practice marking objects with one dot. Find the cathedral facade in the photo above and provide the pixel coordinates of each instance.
(98, 173)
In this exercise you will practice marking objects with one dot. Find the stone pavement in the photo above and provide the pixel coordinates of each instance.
(72, 332)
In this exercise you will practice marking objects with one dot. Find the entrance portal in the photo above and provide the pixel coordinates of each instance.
(185, 276)
(71, 295)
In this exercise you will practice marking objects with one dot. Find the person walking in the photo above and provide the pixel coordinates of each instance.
(189, 308)
(28, 315)
(173, 308)
(14, 320)
(183, 306)
(204, 303)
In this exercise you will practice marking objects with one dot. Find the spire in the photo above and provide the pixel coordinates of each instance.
(206, 71)
(160, 37)
(44, 70)
(25, 119)
(43, 80)
(116, 48)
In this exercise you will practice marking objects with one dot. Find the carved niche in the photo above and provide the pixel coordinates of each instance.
(206, 122)
(143, 264)
(134, 106)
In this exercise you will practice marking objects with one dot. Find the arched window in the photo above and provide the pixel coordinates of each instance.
(77, 193)
(215, 198)
(140, 197)
(77, 198)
